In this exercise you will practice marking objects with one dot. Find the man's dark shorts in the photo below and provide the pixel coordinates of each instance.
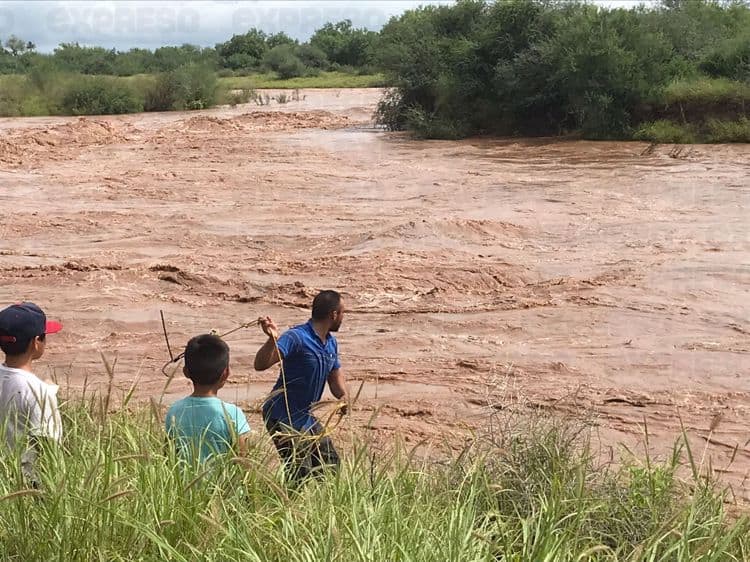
(304, 454)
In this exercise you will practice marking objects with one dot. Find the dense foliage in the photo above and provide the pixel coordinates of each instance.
(82, 80)
(537, 67)
(676, 71)
(332, 47)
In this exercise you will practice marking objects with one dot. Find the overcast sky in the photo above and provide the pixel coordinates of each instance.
(125, 24)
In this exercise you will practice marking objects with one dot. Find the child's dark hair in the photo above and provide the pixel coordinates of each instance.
(206, 358)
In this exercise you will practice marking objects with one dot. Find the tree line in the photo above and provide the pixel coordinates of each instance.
(335, 46)
(677, 71)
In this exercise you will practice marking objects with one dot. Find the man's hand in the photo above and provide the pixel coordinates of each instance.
(337, 384)
(269, 327)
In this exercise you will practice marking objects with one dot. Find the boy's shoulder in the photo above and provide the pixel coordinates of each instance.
(231, 409)
(202, 403)
(20, 379)
(180, 406)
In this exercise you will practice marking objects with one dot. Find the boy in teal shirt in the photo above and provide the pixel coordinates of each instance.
(202, 425)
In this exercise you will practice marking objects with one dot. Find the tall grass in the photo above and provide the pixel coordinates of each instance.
(532, 491)
(728, 131)
(322, 80)
(665, 131)
(707, 91)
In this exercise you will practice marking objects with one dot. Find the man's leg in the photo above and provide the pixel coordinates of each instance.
(323, 455)
(292, 452)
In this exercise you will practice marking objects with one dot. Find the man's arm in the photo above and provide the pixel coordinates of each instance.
(267, 355)
(337, 384)
(243, 444)
(240, 429)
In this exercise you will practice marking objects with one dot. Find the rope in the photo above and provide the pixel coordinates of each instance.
(222, 336)
(327, 427)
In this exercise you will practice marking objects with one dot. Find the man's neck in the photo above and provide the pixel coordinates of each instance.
(200, 391)
(321, 328)
(18, 362)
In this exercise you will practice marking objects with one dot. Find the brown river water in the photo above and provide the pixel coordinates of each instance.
(604, 279)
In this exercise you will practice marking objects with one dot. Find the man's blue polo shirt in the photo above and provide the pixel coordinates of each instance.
(307, 364)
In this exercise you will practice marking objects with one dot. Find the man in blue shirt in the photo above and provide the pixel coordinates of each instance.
(310, 359)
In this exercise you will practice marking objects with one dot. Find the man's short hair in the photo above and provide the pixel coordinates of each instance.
(324, 303)
(206, 359)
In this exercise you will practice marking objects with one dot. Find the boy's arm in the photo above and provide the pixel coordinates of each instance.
(45, 423)
(243, 431)
(168, 433)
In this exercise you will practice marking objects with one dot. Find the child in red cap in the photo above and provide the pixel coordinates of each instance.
(29, 414)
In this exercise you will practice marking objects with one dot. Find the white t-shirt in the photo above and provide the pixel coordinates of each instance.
(28, 407)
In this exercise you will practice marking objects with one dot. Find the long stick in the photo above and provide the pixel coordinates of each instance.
(166, 337)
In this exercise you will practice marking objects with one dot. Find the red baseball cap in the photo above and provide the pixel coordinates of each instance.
(23, 321)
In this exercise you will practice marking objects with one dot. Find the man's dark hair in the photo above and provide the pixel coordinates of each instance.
(18, 347)
(206, 358)
(324, 303)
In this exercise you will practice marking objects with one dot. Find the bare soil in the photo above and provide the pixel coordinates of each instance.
(603, 279)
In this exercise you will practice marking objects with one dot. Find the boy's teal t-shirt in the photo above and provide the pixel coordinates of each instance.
(207, 425)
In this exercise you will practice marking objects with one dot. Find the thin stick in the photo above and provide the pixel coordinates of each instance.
(240, 327)
(166, 337)
(173, 359)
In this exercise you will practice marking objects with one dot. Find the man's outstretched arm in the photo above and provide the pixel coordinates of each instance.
(337, 384)
(267, 355)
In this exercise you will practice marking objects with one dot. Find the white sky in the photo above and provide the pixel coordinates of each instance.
(124, 24)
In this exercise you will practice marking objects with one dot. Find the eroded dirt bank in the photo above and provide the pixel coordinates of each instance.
(608, 277)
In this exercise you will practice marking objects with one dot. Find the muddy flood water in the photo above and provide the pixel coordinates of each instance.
(597, 278)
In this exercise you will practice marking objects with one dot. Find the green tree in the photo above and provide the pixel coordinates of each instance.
(344, 44)
(18, 46)
(312, 56)
(134, 61)
(170, 58)
(243, 51)
(280, 38)
(73, 57)
(284, 61)
(530, 67)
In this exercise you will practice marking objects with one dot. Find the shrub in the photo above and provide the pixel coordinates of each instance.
(13, 90)
(391, 111)
(237, 97)
(292, 68)
(35, 106)
(312, 57)
(665, 131)
(99, 96)
(707, 91)
(283, 60)
(432, 127)
(191, 86)
(719, 130)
